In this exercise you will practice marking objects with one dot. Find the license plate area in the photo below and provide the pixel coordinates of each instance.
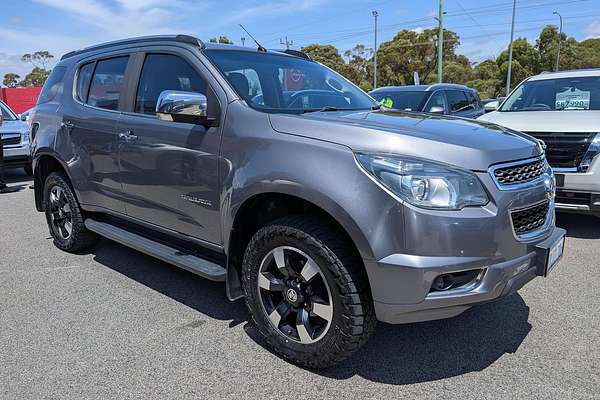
(549, 253)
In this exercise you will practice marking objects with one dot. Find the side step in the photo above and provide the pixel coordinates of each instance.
(197, 265)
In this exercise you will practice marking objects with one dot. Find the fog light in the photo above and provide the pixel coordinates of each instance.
(455, 280)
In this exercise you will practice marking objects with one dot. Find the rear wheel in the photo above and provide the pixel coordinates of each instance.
(307, 292)
(64, 216)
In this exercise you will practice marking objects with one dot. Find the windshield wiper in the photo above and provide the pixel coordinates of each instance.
(323, 109)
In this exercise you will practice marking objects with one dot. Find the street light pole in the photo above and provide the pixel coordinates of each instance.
(559, 41)
(440, 49)
(510, 49)
(375, 15)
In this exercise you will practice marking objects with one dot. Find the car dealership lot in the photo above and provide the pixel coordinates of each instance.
(113, 323)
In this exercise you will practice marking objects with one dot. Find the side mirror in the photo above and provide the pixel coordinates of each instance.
(436, 110)
(491, 106)
(24, 117)
(178, 106)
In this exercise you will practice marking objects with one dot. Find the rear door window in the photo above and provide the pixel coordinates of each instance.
(107, 83)
(165, 72)
(83, 81)
(457, 101)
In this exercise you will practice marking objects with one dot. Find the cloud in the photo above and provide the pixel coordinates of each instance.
(266, 10)
(593, 30)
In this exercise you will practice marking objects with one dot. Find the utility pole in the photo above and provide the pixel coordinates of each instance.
(440, 49)
(375, 15)
(288, 43)
(559, 41)
(510, 49)
(243, 40)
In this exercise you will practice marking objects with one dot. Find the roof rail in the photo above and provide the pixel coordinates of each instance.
(174, 38)
(295, 53)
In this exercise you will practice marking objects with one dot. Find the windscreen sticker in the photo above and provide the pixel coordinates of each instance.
(387, 102)
(572, 99)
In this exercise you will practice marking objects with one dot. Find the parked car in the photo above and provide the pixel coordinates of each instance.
(563, 110)
(444, 98)
(325, 211)
(15, 140)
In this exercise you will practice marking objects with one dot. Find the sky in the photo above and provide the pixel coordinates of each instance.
(60, 26)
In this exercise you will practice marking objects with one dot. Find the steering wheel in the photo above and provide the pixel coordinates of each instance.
(307, 92)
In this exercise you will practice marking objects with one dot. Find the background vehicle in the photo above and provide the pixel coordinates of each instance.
(15, 139)
(278, 176)
(562, 110)
(445, 98)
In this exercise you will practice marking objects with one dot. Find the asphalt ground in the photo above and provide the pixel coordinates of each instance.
(112, 323)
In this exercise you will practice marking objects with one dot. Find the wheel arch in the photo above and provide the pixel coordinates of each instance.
(43, 165)
(259, 209)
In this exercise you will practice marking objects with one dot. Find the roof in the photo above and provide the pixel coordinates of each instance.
(422, 88)
(566, 74)
(176, 38)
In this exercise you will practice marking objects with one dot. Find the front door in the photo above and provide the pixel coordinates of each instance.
(169, 170)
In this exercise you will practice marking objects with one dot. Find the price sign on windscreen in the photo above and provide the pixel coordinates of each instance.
(573, 99)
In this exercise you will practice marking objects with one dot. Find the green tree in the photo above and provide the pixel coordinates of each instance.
(221, 39)
(587, 54)
(360, 66)
(327, 55)
(547, 45)
(526, 61)
(411, 51)
(11, 80)
(487, 79)
(39, 59)
(37, 77)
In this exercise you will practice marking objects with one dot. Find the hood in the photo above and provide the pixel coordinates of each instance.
(547, 121)
(456, 141)
(17, 126)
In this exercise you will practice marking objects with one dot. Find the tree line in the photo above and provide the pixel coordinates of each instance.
(409, 51)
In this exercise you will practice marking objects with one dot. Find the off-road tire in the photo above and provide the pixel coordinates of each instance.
(80, 238)
(353, 314)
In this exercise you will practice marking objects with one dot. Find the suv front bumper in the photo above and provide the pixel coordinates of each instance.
(497, 280)
(579, 192)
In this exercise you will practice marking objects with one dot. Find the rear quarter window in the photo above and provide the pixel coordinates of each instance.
(53, 86)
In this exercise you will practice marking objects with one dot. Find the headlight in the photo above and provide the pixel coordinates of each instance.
(425, 183)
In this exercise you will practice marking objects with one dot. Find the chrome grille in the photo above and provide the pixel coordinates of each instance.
(530, 219)
(519, 173)
(12, 140)
(564, 150)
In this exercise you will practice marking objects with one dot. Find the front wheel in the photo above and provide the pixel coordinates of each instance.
(307, 292)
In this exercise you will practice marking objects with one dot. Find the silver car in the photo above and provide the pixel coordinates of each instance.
(15, 140)
(563, 111)
(272, 173)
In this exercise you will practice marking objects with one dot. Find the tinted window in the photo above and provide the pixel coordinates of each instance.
(473, 99)
(457, 101)
(401, 100)
(83, 81)
(165, 72)
(287, 84)
(564, 94)
(7, 114)
(53, 85)
(437, 100)
(107, 83)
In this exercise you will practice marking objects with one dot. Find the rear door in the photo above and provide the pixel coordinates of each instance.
(89, 131)
(169, 169)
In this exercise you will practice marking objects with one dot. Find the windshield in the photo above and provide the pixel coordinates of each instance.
(400, 100)
(280, 83)
(7, 114)
(562, 94)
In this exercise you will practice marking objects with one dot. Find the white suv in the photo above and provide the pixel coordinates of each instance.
(562, 109)
(15, 139)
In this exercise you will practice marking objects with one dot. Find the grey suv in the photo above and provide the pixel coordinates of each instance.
(272, 173)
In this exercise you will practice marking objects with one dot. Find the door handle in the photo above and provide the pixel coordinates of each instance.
(127, 136)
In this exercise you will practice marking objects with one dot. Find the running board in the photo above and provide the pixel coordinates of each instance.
(197, 265)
